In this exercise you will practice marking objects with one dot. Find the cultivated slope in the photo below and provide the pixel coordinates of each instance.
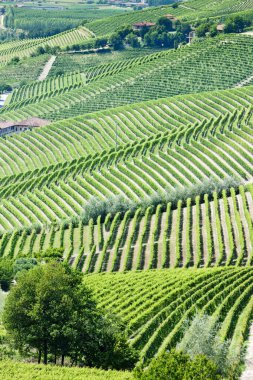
(155, 304)
(191, 69)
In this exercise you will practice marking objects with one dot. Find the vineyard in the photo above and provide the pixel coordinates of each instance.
(155, 304)
(67, 63)
(193, 10)
(160, 237)
(52, 19)
(27, 47)
(149, 77)
(141, 178)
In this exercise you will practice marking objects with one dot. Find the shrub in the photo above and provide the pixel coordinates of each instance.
(201, 338)
(177, 365)
(96, 206)
(6, 273)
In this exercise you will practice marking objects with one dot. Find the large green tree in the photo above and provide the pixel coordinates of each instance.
(52, 312)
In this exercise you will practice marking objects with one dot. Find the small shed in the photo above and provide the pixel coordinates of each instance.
(220, 28)
(171, 17)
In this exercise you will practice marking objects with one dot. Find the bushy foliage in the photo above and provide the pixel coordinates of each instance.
(201, 338)
(50, 311)
(23, 263)
(177, 365)
(96, 206)
(49, 254)
(6, 273)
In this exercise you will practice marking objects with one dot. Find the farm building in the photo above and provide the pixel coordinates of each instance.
(7, 127)
(143, 24)
(220, 28)
(171, 17)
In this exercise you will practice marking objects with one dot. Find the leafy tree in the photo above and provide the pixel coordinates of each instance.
(14, 60)
(116, 41)
(100, 42)
(201, 338)
(23, 263)
(51, 311)
(6, 273)
(202, 29)
(165, 24)
(235, 24)
(5, 87)
(49, 254)
(132, 40)
(175, 5)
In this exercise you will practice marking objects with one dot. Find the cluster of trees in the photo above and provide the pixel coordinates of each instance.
(115, 204)
(164, 34)
(52, 313)
(233, 24)
(10, 269)
(4, 87)
(176, 365)
(202, 356)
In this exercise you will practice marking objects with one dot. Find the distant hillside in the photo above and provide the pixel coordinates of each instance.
(191, 69)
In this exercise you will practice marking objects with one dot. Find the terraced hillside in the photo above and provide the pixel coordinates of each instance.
(217, 144)
(188, 10)
(83, 137)
(202, 232)
(26, 47)
(155, 304)
(150, 77)
(67, 63)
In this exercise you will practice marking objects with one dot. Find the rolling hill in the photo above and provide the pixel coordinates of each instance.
(168, 134)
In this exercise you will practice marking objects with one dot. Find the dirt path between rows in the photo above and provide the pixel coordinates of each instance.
(47, 68)
(2, 22)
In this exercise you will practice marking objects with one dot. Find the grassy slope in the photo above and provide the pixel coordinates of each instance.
(10, 370)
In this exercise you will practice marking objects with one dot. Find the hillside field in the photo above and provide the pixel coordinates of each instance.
(126, 143)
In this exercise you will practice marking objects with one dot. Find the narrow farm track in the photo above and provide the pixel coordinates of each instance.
(2, 22)
(43, 75)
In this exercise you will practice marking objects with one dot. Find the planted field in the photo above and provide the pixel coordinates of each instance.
(25, 48)
(151, 77)
(55, 85)
(67, 63)
(190, 10)
(205, 231)
(219, 148)
(155, 304)
(64, 83)
(27, 70)
(11, 370)
(81, 137)
(209, 136)
(46, 21)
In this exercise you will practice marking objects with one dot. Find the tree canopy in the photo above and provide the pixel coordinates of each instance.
(50, 311)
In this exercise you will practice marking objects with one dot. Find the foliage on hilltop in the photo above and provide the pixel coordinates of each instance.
(164, 33)
(112, 205)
